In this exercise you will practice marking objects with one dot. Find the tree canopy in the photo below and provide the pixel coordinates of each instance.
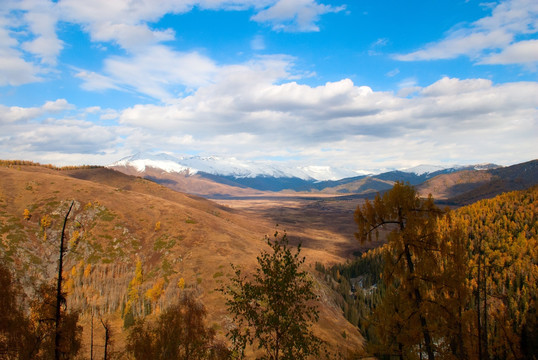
(273, 309)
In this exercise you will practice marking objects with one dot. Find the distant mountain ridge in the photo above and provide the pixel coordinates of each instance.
(231, 167)
(234, 176)
(234, 168)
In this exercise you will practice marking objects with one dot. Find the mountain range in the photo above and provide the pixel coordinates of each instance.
(219, 177)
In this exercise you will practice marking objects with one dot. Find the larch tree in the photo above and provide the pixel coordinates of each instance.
(411, 260)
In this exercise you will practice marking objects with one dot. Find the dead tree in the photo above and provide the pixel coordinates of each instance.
(60, 298)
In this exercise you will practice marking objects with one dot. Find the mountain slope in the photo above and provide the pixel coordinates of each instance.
(118, 220)
(465, 187)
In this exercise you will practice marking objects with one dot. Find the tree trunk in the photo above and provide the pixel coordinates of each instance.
(91, 339)
(418, 297)
(486, 350)
(478, 317)
(59, 295)
(106, 325)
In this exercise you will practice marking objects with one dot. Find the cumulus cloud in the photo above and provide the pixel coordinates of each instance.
(451, 119)
(13, 114)
(493, 39)
(58, 140)
(338, 123)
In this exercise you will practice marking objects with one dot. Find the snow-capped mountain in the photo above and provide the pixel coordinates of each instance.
(202, 173)
(425, 169)
(231, 167)
(421, 170)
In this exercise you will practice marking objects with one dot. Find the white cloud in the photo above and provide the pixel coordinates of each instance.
(451, 119)
(11, 114)
(523, 52)
(460, 43)
(23, 59)
(57, 106)
(14, 114)
(93, 81)
(59, 141)
(14, 69)
(157, 72)
(41, 17)
(454, 87)
(251, 111)
(154, 69)
(127, 22)
(492, 39)
(295, 15)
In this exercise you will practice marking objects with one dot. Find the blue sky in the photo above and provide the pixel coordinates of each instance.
(357, 84)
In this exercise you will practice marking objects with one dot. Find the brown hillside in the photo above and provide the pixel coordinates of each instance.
(365, 185)
(466, 187)
(188, 183)
(120, 219)
(446, 186)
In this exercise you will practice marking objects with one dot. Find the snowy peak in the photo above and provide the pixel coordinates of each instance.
(242, 169)
(421, 170)
(161, 161)
(425, 169)
(231, 167)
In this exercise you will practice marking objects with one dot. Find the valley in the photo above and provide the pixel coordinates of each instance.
(123, 225)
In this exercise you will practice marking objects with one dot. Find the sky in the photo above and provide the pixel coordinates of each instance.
(356, 84)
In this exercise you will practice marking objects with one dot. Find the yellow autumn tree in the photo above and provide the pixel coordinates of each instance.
(133, 292)
(181, 283)
(409, 260)
(154, 293)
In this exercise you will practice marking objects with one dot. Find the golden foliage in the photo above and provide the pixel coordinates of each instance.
(156, 291)
(473, 279)
(74, 239)
(46, 221)
(87, 270)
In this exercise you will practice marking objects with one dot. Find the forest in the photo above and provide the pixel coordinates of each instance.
(446, 284)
